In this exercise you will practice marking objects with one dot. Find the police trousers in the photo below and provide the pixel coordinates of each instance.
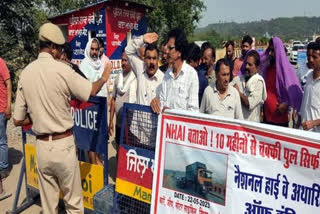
(58, 170)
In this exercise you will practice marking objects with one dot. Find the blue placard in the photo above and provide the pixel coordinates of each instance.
(90, 124)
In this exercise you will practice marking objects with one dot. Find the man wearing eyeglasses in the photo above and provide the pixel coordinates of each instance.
(180, 86)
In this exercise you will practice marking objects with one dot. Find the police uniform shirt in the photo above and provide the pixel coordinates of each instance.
(44, 91)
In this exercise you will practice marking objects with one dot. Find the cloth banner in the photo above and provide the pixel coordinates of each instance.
(206, 164)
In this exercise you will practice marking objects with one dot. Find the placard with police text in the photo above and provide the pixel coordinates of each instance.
(90, 124)
(206, 164)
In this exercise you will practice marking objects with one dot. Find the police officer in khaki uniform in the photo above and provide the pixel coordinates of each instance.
(43, 97)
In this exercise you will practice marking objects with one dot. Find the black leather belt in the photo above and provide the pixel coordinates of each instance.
(55, 136)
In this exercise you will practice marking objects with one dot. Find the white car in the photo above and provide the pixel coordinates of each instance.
(294, 52)
(296, 43)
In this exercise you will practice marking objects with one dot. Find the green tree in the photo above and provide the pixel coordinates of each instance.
(211, 36)
(300, 28)
(19, 26)
(56, 7)
(169, 14)
(19, 23)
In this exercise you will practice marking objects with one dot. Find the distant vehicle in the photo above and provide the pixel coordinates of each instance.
(296, 43)
(199, 177)
(294, 52)
(199, 43)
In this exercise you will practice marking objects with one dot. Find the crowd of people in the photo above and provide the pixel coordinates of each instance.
(258, 87)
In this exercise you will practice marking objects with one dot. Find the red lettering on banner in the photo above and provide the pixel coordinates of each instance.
(170, 202)
(202, 211)
(198, 136)
(211, 141)
(162, 200)
(253, 146)
(179, 206)
(307, 159)
(220, 141)
(190, 209)
(270, 150)
(236, 143)
(290, 155)
(175, 132)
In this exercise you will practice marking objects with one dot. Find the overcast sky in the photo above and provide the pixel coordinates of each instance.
(253, 10)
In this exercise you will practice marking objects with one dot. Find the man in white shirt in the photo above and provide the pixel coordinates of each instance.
(125, 91)
(180, 86)
(251, 87)
(149, 77)
(310, 108)
(91, 65)
(221, 99)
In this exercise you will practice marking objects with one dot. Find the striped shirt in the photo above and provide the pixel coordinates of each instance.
(180, 92)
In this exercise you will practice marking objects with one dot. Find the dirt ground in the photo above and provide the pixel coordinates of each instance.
(15, 161)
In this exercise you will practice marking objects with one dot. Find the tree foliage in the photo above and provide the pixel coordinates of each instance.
(211, 36)
(169, 14)
(286, 28)
(20, 21)
(19, 26)
(56, 7)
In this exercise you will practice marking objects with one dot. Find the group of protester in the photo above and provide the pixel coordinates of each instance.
(258, 87)
(254, 87)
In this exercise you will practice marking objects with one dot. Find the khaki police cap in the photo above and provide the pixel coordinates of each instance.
(51, 32)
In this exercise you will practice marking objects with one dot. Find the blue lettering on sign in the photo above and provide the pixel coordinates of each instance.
(257, 208)
(309, 195)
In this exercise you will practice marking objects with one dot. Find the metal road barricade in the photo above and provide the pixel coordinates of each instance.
(135, 160)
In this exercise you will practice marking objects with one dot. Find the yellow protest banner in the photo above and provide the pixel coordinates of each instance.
(91, 176)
